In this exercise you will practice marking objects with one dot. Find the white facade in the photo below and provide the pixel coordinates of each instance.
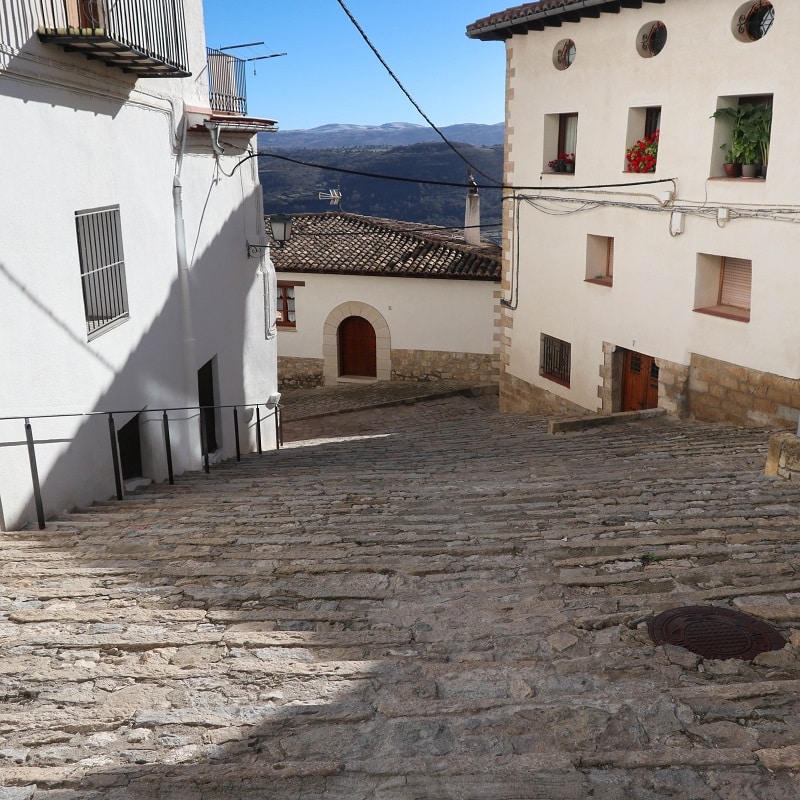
(79, 136)
(666, 235)
(422, 314)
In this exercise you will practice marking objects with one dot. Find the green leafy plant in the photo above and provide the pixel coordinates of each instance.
(751, 127)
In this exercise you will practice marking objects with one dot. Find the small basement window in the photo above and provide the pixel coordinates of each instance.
(723, 286)
(555, 359)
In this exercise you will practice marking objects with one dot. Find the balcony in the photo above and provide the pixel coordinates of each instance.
(227, 91)
(146, 38)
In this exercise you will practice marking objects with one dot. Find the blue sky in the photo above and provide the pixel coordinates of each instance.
(330, 74)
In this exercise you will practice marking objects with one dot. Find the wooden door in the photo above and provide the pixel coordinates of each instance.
(357, 350)
(639, 382)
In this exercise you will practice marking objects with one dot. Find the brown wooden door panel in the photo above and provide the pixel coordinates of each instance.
(357, 348)
(639, 382)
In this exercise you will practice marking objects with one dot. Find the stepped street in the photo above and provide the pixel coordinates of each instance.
(421, 601)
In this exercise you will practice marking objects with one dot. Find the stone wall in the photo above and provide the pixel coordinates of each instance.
(431, 365)
(300, 373)
(518, 396)
(724, 392)
(783, 456)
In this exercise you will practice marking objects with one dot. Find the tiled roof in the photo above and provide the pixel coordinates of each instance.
(350, 244)
(545, 13)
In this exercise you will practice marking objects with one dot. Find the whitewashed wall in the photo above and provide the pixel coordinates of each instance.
(422, 314)
(649, 307)
(87, 136)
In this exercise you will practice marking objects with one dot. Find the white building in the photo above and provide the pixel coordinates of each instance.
(678, 287)
(365, 299)
(127, 283)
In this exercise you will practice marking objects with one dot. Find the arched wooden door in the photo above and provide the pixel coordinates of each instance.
(357, 351)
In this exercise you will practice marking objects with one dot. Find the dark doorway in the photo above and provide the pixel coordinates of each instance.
(130, 450)
(357, 348)
(639, 382)
(205, 395)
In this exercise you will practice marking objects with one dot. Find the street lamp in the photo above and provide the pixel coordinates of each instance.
(281, 227)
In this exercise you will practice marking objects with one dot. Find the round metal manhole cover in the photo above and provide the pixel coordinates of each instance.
(714, 632)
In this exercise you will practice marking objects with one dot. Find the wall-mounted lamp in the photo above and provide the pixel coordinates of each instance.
(273, 400)
(281, 226)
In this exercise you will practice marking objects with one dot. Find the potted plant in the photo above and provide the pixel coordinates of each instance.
(751, 127)
(642, 156)
(733, 169)
(564, 163)
(569, 162)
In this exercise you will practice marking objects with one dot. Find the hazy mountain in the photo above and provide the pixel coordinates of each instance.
(392, 133)
(292, 188)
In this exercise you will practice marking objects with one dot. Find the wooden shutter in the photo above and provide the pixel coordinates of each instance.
(737, 276)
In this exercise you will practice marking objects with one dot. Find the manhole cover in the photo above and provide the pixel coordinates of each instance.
(714, 632)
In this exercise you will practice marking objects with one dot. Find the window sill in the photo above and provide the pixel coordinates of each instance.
(608, 281)
(739, 179)
(283, 327)
(559, 381)
(726, 312)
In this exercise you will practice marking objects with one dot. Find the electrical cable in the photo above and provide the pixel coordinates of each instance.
(410, 98)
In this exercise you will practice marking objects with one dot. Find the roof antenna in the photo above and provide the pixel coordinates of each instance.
(334, 195)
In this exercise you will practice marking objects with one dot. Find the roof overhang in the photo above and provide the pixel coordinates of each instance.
(545, 14)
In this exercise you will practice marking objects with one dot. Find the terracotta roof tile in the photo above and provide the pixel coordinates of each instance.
(534, 16)
(351, 244)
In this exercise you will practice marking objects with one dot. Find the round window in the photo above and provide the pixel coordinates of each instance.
(753, 21)
(564, 54)
(651, 39)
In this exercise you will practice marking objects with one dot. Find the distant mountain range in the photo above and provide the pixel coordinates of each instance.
(293, 186)
(391, 134)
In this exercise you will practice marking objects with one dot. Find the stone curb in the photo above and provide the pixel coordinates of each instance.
(583, 423)
(479, 390)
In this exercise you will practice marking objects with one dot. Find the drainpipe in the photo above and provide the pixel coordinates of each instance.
(189, 349)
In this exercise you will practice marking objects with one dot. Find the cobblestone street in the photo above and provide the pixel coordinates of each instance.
(422, 601)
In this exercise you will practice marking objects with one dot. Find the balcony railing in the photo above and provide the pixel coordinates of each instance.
(144, 37)
(226, 83)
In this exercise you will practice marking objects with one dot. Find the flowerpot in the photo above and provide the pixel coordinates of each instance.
(763, 171)
(570, 167)
(732, 170)
(749, 170)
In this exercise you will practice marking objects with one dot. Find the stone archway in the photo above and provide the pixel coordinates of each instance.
(330, 351)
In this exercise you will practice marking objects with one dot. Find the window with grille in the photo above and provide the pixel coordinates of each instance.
(102, 262)
(286, 317)
(554, 359)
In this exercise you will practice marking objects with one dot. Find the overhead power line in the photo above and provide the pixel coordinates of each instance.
(411, 99)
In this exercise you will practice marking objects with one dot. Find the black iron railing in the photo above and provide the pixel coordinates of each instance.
(226, 82)
(145, 37)
(274, 411)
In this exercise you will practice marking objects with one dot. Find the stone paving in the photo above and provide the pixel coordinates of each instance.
(417, 602)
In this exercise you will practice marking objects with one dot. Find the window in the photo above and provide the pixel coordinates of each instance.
(642, 139)
(753, 21)
(742, 134)
(554, 359)
(105, 294)
(600, 259)
(723, 287)
(285, 316)
(651, 39)
(564, 54)
(567, 133)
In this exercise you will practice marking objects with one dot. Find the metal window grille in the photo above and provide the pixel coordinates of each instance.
(566, 54)
(756, 22)
(555, 357)
(654, 39)
(105, 295)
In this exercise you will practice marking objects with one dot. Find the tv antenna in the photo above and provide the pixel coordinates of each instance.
(334, 195)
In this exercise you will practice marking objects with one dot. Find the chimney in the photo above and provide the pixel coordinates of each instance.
(472, 217)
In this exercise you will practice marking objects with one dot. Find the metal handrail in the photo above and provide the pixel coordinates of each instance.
(37, 489)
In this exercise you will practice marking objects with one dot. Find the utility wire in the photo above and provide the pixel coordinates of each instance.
(410, 98)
